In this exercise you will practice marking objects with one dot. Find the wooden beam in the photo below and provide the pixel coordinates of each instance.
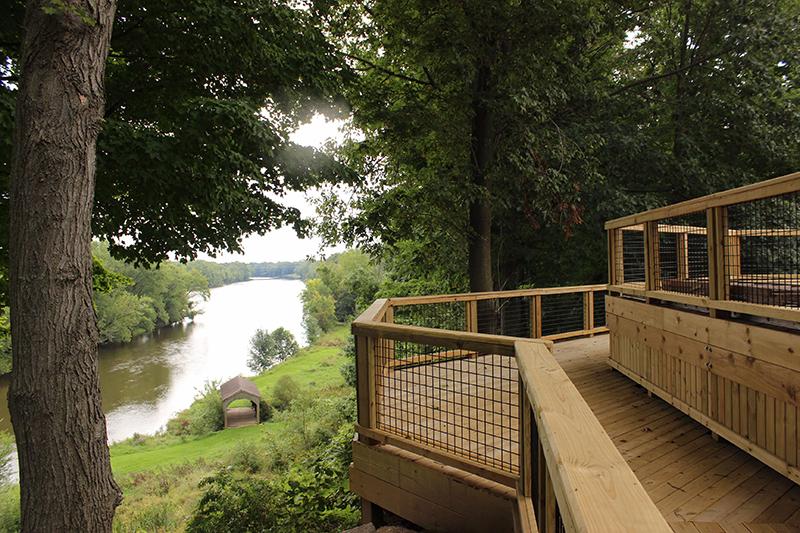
(442, 456)
(595, 488)
(457, 340)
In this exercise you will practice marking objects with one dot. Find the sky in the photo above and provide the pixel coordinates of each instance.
(283, 244)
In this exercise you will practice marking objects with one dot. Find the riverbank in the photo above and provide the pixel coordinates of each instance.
(315, 367)
(162, 476)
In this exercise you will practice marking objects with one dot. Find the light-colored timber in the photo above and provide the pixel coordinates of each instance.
(695, 482)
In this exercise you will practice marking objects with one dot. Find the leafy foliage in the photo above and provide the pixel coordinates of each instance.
(141, 299)
(582, 112)
(267, 349)
(204, 416)
(306, 491)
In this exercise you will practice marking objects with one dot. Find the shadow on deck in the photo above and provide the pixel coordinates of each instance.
(699, 484)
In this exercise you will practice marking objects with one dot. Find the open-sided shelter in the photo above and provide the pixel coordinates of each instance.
(240, 389)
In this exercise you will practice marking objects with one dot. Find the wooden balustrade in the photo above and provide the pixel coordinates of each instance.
(719, 355)
(565, 469)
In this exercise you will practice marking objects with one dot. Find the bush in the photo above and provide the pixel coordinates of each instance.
(203, 417)
(348, 369)
(9, 509)
(285, 391)
(311, 495)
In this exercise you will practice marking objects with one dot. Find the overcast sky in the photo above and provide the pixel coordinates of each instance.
(283, 244)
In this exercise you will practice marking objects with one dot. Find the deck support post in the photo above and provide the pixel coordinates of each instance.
(371, 513)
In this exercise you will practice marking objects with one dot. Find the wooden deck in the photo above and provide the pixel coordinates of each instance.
(699, 485)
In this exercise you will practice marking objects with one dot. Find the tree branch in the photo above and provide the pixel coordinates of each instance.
(430, 82)
(668, 74)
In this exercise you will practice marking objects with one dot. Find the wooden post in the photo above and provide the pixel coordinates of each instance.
(365, 384)
(371, 514)
(718, 280)
(651, 258)
(472, 316)
(536, 316)
(528, 439)
(683, 254)
(588, 311)
(614, 249)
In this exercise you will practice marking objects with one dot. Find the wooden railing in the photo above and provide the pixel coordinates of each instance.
(535, 432)
(736, 251)
(548, 313)
(704, 311)
(571, 474)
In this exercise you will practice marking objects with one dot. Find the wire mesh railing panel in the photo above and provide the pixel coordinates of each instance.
(562, 313)
(683, 254)
(505, 316)
(629, 264)
(464, 403)
(762, 251)
(440, 315)
(599, 311)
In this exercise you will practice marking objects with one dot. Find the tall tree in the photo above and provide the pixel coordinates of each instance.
(544, 115)
(193, 154)
(460, 101)
(66, 481)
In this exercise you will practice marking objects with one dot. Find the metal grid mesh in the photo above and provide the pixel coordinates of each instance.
(683, 254)
(466, 404)
(629, 256)
(562, 313)
(762, 251)
(599, 310)
(441, 315)
(505, 316)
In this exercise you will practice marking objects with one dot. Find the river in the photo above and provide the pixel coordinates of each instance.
(145, 382)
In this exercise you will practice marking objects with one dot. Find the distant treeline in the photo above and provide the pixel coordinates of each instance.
(133, 301)
(285, 269)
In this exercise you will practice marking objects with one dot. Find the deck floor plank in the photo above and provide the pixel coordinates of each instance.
(713, 485)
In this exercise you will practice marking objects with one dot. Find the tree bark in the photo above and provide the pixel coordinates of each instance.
(54, 397)
(480, 210)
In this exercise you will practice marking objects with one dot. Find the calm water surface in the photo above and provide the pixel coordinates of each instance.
(145, 382)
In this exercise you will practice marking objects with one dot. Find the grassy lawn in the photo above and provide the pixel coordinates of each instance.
(313, 368)
(210, 448)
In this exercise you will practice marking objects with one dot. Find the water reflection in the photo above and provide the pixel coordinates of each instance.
(147, 381)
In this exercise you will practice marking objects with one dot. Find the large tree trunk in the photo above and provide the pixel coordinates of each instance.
(480, 210)
(54, 397)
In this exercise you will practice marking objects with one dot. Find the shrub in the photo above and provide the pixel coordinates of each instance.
(204, 416)
(311, 495)
(348, 369)
(285, 391)
(9, 509)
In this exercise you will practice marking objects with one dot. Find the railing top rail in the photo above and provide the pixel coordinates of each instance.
(472, 296)
(375, 312)
(457, 340)
(596, 489)
(756, 191)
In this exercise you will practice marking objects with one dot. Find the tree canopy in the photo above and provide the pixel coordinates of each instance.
(201, 99)
(497, 129)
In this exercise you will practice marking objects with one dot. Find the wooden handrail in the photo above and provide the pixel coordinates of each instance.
(595, 488)
(454, 340)
(474, 296)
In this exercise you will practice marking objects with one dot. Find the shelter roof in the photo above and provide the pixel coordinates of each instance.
(236, 385)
